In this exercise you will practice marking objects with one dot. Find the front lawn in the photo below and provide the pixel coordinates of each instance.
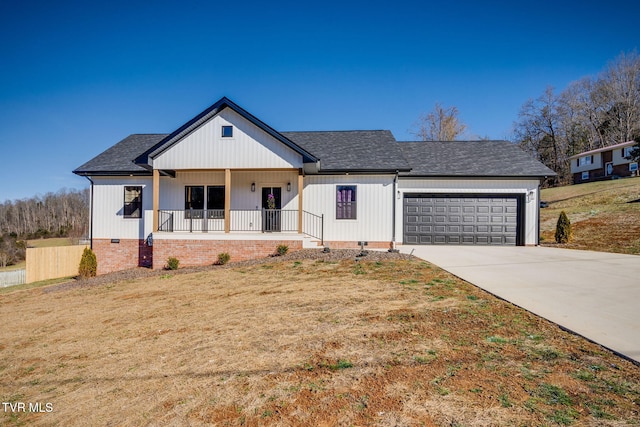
(299, 341)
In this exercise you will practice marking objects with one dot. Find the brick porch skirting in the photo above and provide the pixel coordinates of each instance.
(205, 252)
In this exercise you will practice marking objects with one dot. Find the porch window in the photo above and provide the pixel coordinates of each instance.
(193, 199)
(215, 201)
(132, 201)
(346, 202)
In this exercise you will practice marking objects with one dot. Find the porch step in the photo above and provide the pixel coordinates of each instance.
(311, 243)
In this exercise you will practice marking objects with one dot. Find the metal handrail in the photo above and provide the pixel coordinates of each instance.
(313, 225)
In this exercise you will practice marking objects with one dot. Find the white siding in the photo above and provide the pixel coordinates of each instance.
(374, 206)
(249, 148)
(597, 164)
(526, 187)
(172, 189)
(108, 205)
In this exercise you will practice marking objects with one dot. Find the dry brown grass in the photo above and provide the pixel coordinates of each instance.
(302, 343)
(605, 215)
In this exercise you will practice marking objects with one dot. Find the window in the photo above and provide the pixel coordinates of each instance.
(346, 202)
(215, 201)
(586, 160)
(626, 152)
(227, 131)
(133, 201)
(193, 199)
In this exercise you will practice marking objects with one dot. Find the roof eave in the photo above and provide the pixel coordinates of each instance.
(112, 173)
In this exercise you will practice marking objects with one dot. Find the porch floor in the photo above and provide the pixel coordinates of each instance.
(307, 241)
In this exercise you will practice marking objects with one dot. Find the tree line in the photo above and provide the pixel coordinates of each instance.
(592, 112)
(61, 214)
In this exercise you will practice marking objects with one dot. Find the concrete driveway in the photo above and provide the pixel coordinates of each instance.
(594, 294)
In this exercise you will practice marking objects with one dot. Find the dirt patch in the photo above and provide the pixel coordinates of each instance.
(306, 339)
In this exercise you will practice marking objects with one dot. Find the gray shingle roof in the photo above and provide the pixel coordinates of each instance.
(357, 150)
(471, 158)
(118, 160)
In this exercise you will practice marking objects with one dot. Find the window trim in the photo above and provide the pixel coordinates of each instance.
(223, 129)
(131, 207)
(347, 207)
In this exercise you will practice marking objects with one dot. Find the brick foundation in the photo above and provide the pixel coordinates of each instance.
(127, 253)
(205, 252)
(355, 245)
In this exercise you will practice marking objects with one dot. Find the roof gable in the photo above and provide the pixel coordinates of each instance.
(192, 125)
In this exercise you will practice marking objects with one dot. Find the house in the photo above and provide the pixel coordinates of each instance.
(227, 182)
(604, 163)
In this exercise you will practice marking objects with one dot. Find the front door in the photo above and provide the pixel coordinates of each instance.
(271, 205)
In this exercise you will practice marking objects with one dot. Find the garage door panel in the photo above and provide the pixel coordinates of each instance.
(481, 220)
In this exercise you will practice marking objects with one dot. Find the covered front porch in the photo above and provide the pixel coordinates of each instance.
(231, 201)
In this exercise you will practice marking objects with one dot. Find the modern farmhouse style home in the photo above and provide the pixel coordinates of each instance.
(604, 163)
(227, 182)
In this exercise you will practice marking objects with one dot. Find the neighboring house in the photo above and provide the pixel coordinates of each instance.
(604, 163)
(227, 182)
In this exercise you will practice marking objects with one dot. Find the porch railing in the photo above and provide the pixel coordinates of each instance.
(258, 220)
(203, 220)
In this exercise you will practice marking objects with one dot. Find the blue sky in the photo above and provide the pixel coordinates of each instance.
(77, 77)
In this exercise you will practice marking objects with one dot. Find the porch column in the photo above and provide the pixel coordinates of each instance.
(227, 200)
(156, 199)
(300, 190)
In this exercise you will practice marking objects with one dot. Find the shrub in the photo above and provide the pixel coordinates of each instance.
(564, 234)
(172, 263)
(88, 264)
(282, 249)
(223, 258)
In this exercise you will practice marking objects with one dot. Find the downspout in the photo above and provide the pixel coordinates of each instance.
(90, 214)
(393, 214)
(538, 210)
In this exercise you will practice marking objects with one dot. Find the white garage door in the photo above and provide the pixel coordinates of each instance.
(460, 220)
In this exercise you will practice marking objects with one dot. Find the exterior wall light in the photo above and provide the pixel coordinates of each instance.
(288, 186)
(253, 187)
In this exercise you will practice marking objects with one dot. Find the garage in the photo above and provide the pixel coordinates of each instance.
(484, 219)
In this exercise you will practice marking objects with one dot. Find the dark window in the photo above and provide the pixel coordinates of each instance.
(215, 201)
(227, 131)
(193, 199)
(133, 201)
(346, 202)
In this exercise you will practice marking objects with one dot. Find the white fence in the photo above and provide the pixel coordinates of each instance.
(10, 278)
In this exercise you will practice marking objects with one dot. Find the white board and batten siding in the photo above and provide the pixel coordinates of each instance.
(108, 207)
(249, 148)
(525, 187)
(374, 195)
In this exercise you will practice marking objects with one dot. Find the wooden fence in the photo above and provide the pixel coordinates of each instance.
(52, 263)
(11, 278)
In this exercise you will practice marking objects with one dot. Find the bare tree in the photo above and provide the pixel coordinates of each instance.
(540, 132)
(618, 91)
(441, 124)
